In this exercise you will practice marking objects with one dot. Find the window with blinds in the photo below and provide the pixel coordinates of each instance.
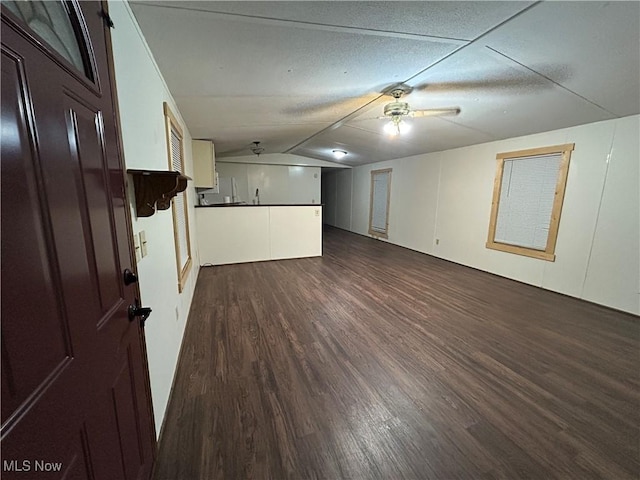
(179, 203)
(379, 203)
(527, 201)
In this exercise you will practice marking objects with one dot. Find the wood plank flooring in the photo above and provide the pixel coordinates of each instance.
(376, 362)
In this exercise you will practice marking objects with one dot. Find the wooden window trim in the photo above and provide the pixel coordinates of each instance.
(171, 123)
(548, 253)
(373, 232)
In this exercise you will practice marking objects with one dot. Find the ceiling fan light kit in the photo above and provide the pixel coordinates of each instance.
(397, 127)
(339, 154)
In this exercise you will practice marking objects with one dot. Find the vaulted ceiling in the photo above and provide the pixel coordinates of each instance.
(308, 77)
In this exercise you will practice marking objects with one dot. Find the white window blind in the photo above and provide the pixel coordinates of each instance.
(176, 151)
(527, 196)
(380, 185)
(179, 205)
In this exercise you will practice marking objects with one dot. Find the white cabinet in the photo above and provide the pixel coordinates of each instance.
(204, 164)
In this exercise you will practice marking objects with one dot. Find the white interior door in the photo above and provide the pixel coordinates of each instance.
(380, 196)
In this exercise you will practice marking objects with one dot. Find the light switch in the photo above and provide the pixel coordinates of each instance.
(143, 243)
(136, 244)
(317, 212)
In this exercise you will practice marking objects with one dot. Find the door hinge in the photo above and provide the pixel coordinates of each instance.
(107, 19)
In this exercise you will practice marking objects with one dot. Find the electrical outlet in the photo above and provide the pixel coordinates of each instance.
(143, 243)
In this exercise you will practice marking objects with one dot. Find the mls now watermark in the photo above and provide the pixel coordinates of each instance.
(30, 466)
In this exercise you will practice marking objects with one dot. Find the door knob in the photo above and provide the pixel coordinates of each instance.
(129, 277)
(136, 310)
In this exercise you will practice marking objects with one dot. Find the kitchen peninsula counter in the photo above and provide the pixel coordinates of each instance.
(236, 234)
(244, 204)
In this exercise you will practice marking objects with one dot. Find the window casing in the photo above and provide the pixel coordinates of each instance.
(528, 193)
(179, 204)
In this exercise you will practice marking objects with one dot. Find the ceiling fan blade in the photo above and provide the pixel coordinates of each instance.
(434, 112)
(488, 83)
(242, 151)
(430, 112)
(350, 100)
(345, 103)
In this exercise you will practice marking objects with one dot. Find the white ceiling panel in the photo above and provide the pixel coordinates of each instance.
(306, 77)
(432, 134)
(448, 19)
(223, 56)
(235, 141)
(363, 146)
(499, 96)
(366, 142)
(475, 72)
(506, 117)
(214, 113)
(591, 48)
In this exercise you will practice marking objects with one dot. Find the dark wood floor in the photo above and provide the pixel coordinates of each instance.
(376, 362)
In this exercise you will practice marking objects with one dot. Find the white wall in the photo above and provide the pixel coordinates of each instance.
(329, 191)
(612, 272)
(446, 196)
(141, 93)
(239, 172)
(276, 183)
(304, 184)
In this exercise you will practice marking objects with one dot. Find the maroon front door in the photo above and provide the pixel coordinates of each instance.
(75, 389)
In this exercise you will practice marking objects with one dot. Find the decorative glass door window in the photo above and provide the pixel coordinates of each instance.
(57, 24)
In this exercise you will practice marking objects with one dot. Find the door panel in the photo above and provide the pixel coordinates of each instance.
(130, 438)
(74, 374)
(22, 213)
(86, 145)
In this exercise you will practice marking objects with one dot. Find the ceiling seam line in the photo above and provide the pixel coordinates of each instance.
(471, 42)
(551, 80)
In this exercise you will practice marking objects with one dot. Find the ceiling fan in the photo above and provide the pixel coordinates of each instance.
(397, 110)
(256, 148)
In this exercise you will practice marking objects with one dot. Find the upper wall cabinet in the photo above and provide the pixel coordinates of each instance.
(204, 164)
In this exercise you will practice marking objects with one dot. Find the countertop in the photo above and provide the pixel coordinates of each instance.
(242, 204)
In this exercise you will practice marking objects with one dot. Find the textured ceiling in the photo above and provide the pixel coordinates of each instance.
(307, 77)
